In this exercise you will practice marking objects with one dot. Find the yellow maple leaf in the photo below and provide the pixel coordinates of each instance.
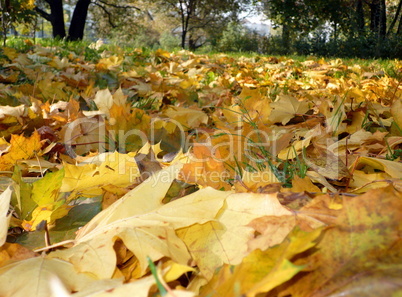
(49, 276)
(396, 111)
(48, 213)
(11, 53)
(128, 127)
(9, 78)
(187, 118)
(52, 90)
(110, 63)
(45, 195)
(89, 179)
(22, 148)
(287, 107)
(256, 105)
(225, 239)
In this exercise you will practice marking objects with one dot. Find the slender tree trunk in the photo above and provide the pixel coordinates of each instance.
(395, 19)
(184, 23)
(378, 18)
(183, 38)
(3, 7)
(382, 25)
(6, 20)
(285, 37)
(57, 18)
(335, 31)
(77, 26)
(192, 44)
(187, 8)
(360, 17)
(399, 31)
(374, 15)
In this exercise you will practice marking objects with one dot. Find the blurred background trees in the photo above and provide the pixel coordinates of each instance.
(14, 13)
(339, 27)
(361, 28)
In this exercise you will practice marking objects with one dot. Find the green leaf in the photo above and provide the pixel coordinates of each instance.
(46, 190)
(21, 199)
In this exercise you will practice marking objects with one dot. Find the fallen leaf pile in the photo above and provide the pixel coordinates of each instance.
(176, 174)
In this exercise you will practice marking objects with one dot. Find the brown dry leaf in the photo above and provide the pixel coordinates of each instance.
(320, 179)
(328, 165)
(11, 252)
(351, 143)
(324, 209)
(83, 135)
(205, 168)
(305, 136)
(271, 230)
(304, 184)
(258, 182)
(359, 255)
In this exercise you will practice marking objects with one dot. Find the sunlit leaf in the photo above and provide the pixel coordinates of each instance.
(5, 198)
(21, 148)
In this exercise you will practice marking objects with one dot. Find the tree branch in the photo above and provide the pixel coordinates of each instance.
(396, 16)
(43, 13)
(109, 15)
(117, 6)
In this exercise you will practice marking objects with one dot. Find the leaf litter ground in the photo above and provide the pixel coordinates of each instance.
(177, 174)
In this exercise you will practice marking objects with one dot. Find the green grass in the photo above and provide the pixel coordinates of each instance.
(81, 48)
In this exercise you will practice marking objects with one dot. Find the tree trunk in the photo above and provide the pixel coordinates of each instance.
(374, 15)
(378, 18)
(4, 27)
(382, 26)
(395, 19)
(183, 38)
(285, 37)
(77, 26)
(57, 18)
(360, 17)
(335, 31)
(399, 31)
